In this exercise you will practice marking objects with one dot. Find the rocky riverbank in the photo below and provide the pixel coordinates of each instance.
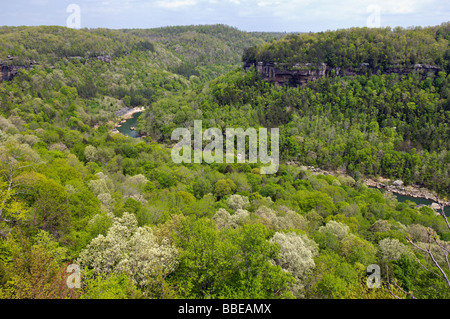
(410, 190)
(124, 115)
(396, 186)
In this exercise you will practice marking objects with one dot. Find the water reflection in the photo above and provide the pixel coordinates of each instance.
(129, 127)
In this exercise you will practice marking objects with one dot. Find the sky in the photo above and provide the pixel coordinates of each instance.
(246, 15)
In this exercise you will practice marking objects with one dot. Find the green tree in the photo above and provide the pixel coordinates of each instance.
(50, 211)
(257, 276)
(224, 187)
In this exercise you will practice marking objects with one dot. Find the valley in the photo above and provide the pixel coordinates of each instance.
(88, 176)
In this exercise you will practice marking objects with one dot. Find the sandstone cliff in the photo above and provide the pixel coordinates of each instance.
(301, 73)
(7, 72)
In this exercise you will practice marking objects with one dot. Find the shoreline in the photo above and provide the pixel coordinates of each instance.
(410, 190)
(124, 115)
(127, 113)
(385, 183)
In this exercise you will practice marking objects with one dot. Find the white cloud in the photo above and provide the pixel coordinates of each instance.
(253, 15)
(268, 3)
(176, 4)
(403, 6)
(40, 2)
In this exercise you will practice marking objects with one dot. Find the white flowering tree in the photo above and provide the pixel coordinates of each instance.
(296, 256)
(133, 187)
(131, 250)
(338, 229)
(224, 219)
(91, 153)
(393, 249)
(102, 188)
(237, 202)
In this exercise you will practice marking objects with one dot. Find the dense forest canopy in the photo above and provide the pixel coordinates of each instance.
(141, 226)
(381, 47)
(50, 43)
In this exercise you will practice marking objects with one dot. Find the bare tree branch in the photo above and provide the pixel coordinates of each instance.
(444, 250)
(430, 253)
(427, 252)
(389, 286)
(402, 290)
(443, 214)
(434, 260)
(429, 270)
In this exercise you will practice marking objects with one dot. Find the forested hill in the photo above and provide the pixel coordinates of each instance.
(380, 48)
(49, 44)
(139, 225)
(389, 124)
(188, 50)
(204, 48)
(112, 69)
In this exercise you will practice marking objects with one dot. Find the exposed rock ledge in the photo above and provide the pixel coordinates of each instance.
(281, 74)
(7, 72)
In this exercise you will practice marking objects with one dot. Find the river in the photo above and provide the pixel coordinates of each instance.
(418, 201)
(125, 128)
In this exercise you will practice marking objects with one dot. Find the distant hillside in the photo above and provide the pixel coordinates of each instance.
(51, 43)
(204, 48)
(108, 70)
(187, 50)
(379, 48)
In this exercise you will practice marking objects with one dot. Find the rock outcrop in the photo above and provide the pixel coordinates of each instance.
(104, 58)
(7, 72)
(301, 73)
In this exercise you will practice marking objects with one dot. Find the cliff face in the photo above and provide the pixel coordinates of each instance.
(302, 73)
(299, 74)
(7, 72)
